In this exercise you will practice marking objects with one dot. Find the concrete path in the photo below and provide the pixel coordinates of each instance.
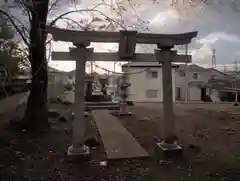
(118, 142)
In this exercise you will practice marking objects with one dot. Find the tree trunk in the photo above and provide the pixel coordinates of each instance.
(36, 111)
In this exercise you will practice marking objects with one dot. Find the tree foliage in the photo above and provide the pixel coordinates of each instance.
(6, 32)
(9, 61)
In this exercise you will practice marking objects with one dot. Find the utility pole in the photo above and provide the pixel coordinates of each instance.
(185, 74)
(225, 69)
(114, 80)
(235, 65)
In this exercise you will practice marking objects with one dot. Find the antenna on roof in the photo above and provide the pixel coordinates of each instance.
(236, 66)
(213, 58)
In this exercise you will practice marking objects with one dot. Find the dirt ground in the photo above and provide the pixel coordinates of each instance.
(25, 156)
(209, 134)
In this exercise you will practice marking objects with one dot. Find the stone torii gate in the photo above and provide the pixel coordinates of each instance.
(127, 42)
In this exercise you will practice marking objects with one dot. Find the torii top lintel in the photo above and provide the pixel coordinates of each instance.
(102, 36)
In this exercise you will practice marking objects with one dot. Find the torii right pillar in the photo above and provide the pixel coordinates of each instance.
(165, 56)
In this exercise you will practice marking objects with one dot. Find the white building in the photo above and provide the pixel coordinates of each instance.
(56, 81)
(146, 81)
(56, 76)
(201, 83)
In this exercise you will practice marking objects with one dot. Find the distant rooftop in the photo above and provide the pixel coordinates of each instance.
(145, 64)
(192, 67)
(54, 70)
(50, 69)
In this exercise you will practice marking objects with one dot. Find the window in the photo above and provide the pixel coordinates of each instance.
(152, 93)
(181, 73)
(178, 93)
(196, 75)
(152, 74)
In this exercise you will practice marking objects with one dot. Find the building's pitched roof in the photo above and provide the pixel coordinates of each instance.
(145, 64)
(215, 70)
(192, 68)
(50, 69)
(71, 73)
(197, 68)
(55, 70)
(227, 77)
(233, 73)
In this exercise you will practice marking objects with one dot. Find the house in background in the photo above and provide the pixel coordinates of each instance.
(204, 84)
(146, 81)
(57, 80)
(56, 76)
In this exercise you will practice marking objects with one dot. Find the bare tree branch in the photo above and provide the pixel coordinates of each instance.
(77, 23)
(70, 12)
(54, 4)
(27, 9)
(86, 10)
(15, 26)
(25, 31)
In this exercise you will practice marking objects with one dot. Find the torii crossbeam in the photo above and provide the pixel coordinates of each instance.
(115, 37)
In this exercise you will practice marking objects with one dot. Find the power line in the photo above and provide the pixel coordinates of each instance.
(119, 73)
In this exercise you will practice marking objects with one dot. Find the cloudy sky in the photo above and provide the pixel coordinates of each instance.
(217, 23)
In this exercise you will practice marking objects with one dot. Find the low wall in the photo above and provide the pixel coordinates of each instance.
(12, 102)
(202, 102)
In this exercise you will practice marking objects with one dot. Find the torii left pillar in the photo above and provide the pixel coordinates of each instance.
(79, 126)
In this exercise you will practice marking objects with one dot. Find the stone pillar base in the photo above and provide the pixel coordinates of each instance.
(170, 149)
(78, 151)
(120, 113)
(86, 114)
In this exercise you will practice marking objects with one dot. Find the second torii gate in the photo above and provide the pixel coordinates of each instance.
(127, 43)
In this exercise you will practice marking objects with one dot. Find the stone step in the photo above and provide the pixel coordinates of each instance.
(99, 103)
(108, 107)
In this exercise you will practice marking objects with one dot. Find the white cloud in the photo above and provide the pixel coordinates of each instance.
(213, 37)
(165, 18)
(238, 53)
(70, 65)
(217, 25)
(227, 47)
(201, 55)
